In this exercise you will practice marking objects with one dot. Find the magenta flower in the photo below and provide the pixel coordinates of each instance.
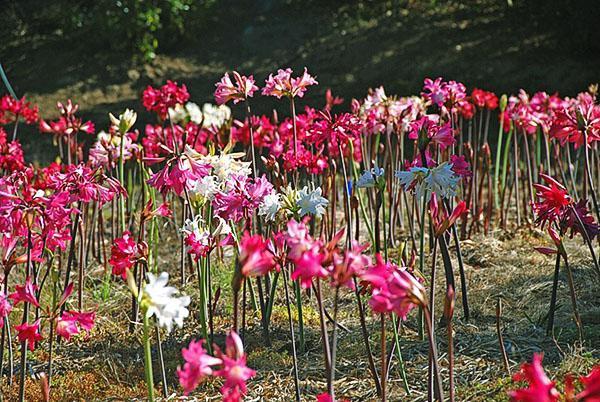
(234, 370)
(85, 320)
(179, 173)
(124, 253)
(540, 388)
(5, 308)
(255, 257)
(591, 383)
(30, 333)
(226, 90)
(241, 197)
(283, 84)
(66, 326)
(25, 293)
(198, 364)
(161, 99)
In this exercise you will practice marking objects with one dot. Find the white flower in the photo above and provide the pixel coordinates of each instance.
(311, 202)
(194, 112)
(269, 207)
(178, 113)
(204, 188)
(442, 180)
(215, 116)
(412, 178)
(225, 165)
(125, 121)
(369, 177)
(161, 302)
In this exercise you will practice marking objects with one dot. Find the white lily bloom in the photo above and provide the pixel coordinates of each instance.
(178, 113)
(204, 188)
(194, 112)
(270, 205)
(215, 116)
(225, 165)
(369, 177)
(442, 180)
(312, 202)
(161, 302)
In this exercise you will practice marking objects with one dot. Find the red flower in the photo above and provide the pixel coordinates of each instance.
(25, 293)
(255, 257)
(167, 96)
(124, 253)
(30, 333)
(553, 199)
(591, 383)
(540, 388)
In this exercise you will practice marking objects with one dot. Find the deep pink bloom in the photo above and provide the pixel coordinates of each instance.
(161, 99)
(124, 253)
(68, 124)
(309, 266)
(460, 166)
(283, 84)
(591, 383)
(350, 265)
(540, 388)
(30, 333)
(241, 197)
(198, 364)
(326, 397)
(25, 293)
(226, 90)
(255, 257)
(66, 326)
(553, 199)
(85, 319)
(5, 308)
(11, 109)
(234, 370)
(179, 173)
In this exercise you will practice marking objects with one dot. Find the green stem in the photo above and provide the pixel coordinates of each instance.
(399, 354)
(497, 166)
(297, 290)
(148, 359)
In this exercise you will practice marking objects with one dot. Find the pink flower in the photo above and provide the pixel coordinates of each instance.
(226, 90)
(350, 265)
(167, 96)
(309, 266)
(85, 320)
(124, 253)
(198, 364)
(179, 173)
(394, 289)
(283, 84)
(29, 333)
(255, 257)
(5, 308)
(241, 197)
(591, 383)
(325, 397)
(234, 370)
(25, 293)
(66, 326)
(540, 389)
(460, 166)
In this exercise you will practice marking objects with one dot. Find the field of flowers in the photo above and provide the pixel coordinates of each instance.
(438, 247)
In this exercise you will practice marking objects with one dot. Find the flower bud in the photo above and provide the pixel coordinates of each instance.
(503, 102)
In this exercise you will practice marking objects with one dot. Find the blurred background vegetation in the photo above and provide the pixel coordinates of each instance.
(103, 53)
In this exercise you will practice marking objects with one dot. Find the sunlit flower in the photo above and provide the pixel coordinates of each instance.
(160, 301)
(312, 202)
(198, 364)
(30, 333)
(242, 89)
(270, 205)
(282, 84)
(540, 388)
(234, 370)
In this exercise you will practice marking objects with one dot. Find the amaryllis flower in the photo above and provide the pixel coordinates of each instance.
(11, 109)
(283, 84)
(540, 388)
(66, 326)
(311, 202)
(309, 266)
(255, 257)
(393, 289)
(241, 197)
(124, 253)
(591, 383)
(242, 89)
(427, 130)
(460, 166)
(85, 319)
(198, 365)
(440, 180)
(571, 122)
(160, 301)
(553, 198)
(180, 173)
(270, 206)
(25, 293)
(577, 215)
(5, 308)
(68, 124)
(11, 154)
(326, 397)
(234, 370)
(349, 265)
(161, 99)
(30, 333)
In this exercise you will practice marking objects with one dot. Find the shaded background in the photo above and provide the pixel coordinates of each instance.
(103, 53)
